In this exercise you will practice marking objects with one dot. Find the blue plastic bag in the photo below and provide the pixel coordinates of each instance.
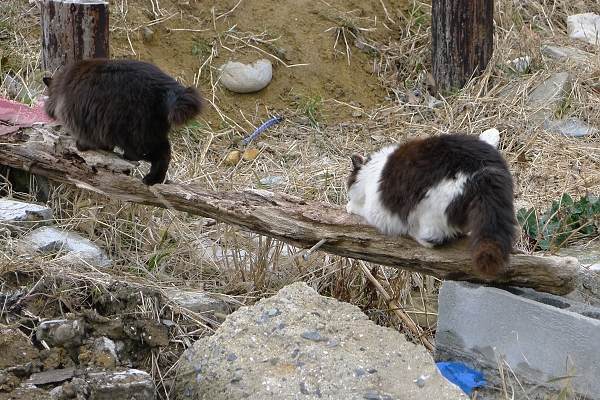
(461, 375)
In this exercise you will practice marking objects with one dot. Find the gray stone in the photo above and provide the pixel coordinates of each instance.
(541, 337)
(272, 181)
(198, 301)
(573, 127)
(131, 384)
(284, 357)
(584, 27)
(51, 376)
(78, 249)
(61, 332)
(569, 53)
(246, 78)
(550, 94)
(16, 215)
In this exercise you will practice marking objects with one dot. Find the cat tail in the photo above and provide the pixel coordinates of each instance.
(184, 105)
(491, 220)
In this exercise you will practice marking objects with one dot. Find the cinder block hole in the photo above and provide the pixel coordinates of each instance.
(591, 314)
(514, 290)
(553, 302)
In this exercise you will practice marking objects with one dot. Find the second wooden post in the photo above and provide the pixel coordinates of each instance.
(462, 33)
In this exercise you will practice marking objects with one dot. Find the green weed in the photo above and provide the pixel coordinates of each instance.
(565, 221)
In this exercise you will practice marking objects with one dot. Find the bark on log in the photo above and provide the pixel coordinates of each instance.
(462, 40)
(73, 30)
(290, 219)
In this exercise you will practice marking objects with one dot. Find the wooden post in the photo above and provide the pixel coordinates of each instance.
(462, 39)
(73, 30)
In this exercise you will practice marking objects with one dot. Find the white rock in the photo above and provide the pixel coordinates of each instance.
(573, 127)
(272, 181)
(49, 239)
(521, 64)
(129, 384)
(246, 78)
(584, 27)
(491, 136)
(17, 214)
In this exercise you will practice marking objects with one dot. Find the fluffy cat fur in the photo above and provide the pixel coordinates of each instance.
(438, 189)
(122, 103)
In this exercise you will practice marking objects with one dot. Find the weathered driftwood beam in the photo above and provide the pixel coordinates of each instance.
(462, 35)
(73, 30)
(290, 219)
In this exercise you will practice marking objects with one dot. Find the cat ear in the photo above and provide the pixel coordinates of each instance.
(47, 80)
(357, 160)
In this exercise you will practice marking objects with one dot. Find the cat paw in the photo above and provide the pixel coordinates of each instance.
(425, 243)
(82, 147)
(150, 180)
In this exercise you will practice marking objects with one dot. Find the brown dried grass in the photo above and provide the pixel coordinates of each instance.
(312, 161)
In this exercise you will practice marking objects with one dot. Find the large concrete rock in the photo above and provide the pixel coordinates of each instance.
(16, 215)
(300, 345)
(78, 249)
(541, 337)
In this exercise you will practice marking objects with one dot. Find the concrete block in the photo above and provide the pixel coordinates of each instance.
(541, 337)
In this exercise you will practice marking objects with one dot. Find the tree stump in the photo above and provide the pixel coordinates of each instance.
(73, 30)
(462, 40)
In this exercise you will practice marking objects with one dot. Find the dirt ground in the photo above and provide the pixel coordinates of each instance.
(311, 45)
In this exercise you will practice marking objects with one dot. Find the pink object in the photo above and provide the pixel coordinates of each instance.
(15, 115)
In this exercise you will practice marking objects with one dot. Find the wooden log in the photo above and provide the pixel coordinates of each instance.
(462, 33)
(73, 30)
(290, 219)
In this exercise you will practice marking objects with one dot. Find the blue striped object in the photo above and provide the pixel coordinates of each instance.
(269, 123)
(461, 375)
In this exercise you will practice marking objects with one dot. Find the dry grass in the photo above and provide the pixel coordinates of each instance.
(161, 248)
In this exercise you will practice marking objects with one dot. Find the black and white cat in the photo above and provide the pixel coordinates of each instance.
(437, 189)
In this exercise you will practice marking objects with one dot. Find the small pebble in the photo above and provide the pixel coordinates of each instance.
(420, 381)
(273, 312)
(303, 388)
(314, 336)
(250, 154)
(358, 372)
(231, 357)
(233, 157)
(147, 34)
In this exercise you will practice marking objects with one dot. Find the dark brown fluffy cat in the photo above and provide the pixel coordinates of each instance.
(437, 189)
(122, 103)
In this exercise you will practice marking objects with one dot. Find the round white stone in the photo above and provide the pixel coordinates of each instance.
(246, 78)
